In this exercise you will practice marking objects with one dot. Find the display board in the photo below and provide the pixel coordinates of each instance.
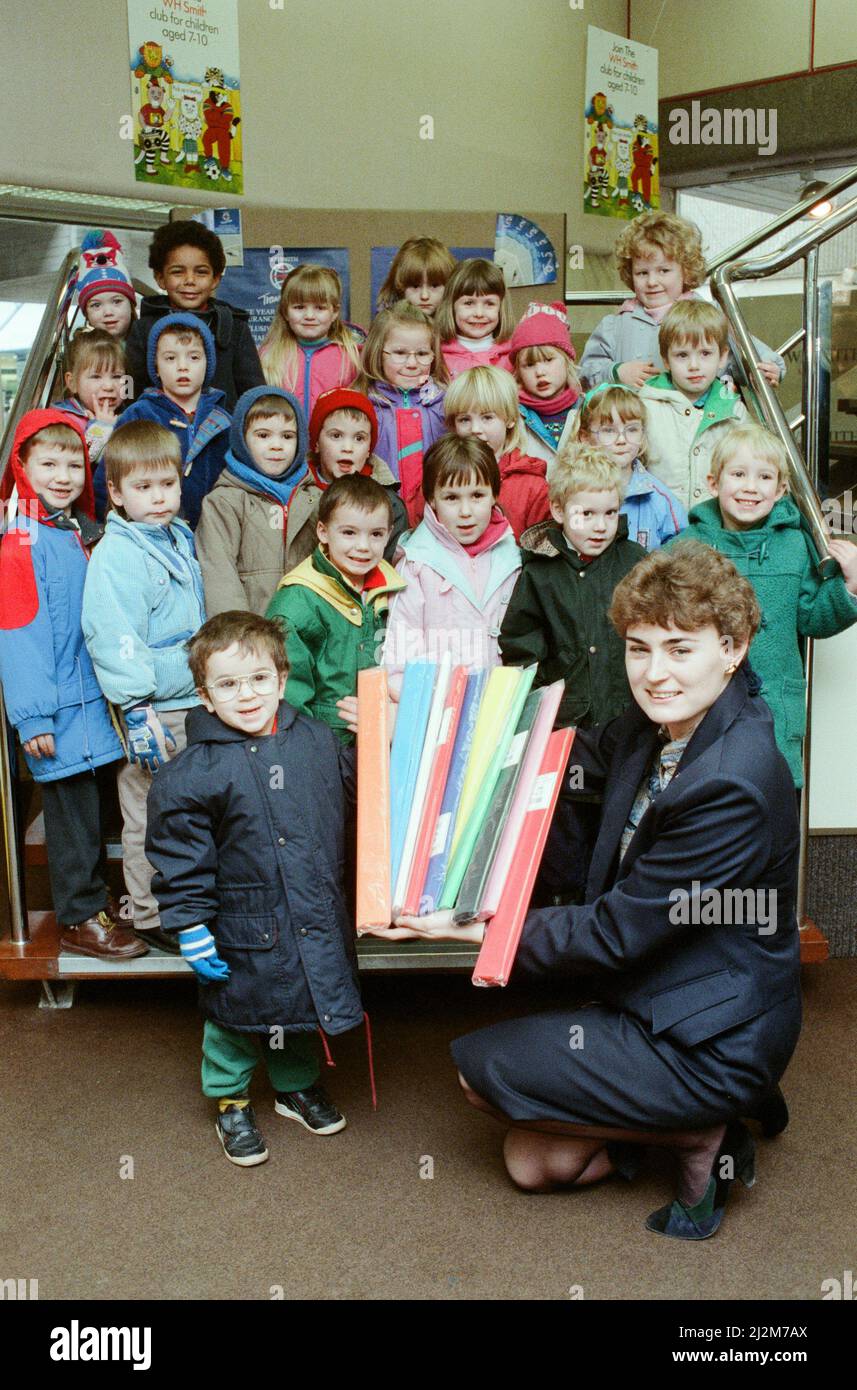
(358, 231)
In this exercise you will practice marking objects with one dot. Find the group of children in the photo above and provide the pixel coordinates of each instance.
(255, 534)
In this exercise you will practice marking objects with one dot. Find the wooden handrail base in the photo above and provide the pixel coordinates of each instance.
(814, 946)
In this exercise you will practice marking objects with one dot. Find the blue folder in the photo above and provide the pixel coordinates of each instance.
(452, 793)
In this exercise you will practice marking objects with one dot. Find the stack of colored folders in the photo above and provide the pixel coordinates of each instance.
(457, 815)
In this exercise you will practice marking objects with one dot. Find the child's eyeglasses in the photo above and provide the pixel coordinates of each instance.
(608, 434)
(229, 687)
(401, 357)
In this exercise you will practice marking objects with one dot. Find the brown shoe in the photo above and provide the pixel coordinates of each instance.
(100, 936)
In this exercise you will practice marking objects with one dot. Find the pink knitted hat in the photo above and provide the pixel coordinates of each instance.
(542, 325)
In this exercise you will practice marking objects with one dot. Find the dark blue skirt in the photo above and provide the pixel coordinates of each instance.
(595, 1065)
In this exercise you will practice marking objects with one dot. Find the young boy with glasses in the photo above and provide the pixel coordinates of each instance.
(246, 833)
(613, 419)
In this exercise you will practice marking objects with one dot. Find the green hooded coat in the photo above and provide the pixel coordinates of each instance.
(781, 563)
(332, 632)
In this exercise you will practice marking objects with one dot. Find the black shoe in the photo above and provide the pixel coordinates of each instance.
(163, 940)
(702, 1220)
(772, 1113)
(241, 1140)
(312, 1109)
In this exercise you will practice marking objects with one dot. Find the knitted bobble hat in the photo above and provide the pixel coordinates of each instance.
(341, 398)
(101, 268)
(542, 325)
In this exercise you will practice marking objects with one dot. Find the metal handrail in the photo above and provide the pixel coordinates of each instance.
(35, 378)
(785, 219)
(804, 476)
(44, 347)
(803, 247)
(739, 248)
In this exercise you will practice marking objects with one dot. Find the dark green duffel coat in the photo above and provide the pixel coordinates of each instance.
(557, 618)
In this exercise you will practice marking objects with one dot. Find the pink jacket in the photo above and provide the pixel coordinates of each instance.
(453, 602)
(319, 369)
(458, 359)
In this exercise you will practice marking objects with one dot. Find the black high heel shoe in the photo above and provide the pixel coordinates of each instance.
(700, 1221)
(772, 1113)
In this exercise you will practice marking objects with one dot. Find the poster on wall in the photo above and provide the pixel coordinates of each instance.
(186, 93)
(523, 252)
(620, 154)
(255, 285)
(382, 258)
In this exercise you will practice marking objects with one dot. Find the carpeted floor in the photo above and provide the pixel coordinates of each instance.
(350, 1217)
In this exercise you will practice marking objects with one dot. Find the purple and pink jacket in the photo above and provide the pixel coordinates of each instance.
(409, 422)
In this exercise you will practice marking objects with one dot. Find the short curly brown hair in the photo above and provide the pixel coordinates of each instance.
(688, 586)
(673, 236)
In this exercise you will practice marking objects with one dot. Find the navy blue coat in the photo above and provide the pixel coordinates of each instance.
(694, 1022)
(246, 835)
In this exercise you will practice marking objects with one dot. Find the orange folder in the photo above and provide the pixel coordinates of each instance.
(373, 801)
(497, 955)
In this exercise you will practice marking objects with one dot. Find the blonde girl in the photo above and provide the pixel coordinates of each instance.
(420, 269)
(613, 419)
(659, 257)
(96, 390)
(475, 318)
(309, 349)
(404, 375)
(483, 402)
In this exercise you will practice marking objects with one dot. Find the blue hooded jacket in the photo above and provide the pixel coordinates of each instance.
(203, 437)
(239, 460)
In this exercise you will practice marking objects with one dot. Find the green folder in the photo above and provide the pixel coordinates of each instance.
(463, 851)
(482, 861)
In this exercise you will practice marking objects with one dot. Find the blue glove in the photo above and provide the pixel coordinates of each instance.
(198, 949)
(149, 743)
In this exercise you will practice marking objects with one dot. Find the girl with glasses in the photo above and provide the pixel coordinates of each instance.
(613, 418)
(404, 376)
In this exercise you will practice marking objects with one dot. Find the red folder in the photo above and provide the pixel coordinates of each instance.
(503, 933)
(437, 783)
(373, 801)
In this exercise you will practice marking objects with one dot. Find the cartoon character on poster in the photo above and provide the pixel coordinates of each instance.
(622, 165)
(153, 62)
(599, 186)
(188, 122)
(154, 116)
(598, 112)
(643, 159)
(221, 126)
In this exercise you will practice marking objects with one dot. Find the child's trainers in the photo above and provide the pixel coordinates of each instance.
(311, 1108)
(241, 1140)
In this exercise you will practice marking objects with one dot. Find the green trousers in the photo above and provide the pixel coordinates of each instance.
(229, 1060)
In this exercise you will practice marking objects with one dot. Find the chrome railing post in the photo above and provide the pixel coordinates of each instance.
(11, 848)
(38, 372)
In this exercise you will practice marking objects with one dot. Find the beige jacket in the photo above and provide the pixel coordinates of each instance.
(680, 438)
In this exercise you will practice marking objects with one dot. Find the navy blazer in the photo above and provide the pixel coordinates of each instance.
(727, 820)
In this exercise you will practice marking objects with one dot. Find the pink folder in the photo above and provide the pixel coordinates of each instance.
(538, 742)
(497, 955)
